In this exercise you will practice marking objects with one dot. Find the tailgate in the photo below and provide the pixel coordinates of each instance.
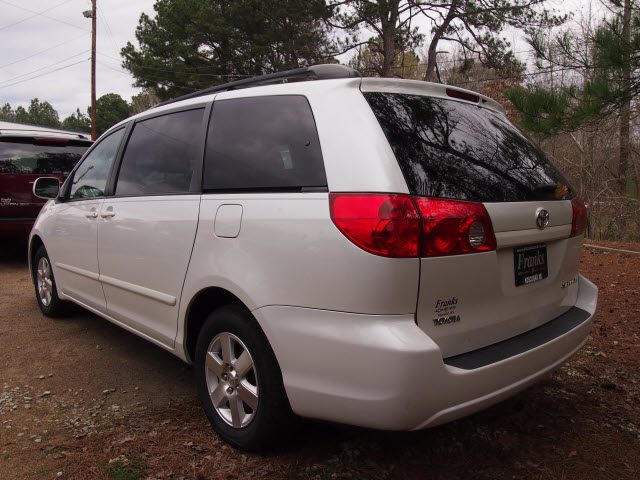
(16, 197)
(454, 146)
(471, 301)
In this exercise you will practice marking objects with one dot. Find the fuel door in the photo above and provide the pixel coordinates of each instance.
(228, 220)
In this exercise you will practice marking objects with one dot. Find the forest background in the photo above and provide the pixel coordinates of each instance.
(574, 88)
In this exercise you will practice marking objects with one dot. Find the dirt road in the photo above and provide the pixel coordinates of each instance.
(71, 377)
(81, 398)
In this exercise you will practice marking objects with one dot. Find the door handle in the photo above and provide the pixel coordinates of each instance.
(108, 213)
(92, 215)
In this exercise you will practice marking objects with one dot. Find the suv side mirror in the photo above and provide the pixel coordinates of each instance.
(46, 187)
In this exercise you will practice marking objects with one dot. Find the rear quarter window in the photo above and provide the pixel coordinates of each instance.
(450, 149)
(263, 144)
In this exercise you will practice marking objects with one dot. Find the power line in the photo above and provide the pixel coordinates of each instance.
(541, 71)
(46, 73)
(42, 14)
(42, 68)
(43, 51)
(32, 16)
(530, 74)
(189, 89)
(184, 72)
(103, 19)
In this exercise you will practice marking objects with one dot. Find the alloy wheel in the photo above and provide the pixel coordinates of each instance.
(44, 281)
(231, 380)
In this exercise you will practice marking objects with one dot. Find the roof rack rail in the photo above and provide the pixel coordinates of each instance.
(34, 132)
(314, 72)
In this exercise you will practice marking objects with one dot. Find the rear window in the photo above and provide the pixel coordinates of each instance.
(33, 156)
(449, 149)
(263, 144)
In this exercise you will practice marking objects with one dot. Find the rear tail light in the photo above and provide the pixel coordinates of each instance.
(579, 222)
(386, 225)
(453, 227)
(405, 226)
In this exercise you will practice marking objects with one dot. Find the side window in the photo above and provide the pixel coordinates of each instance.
(263, 143)
(90, 178)
(161, 155)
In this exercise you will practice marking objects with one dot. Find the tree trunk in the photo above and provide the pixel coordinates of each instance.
(388, 22)
(432, 52)
(388, 52)
(431, 61)
(625, 118)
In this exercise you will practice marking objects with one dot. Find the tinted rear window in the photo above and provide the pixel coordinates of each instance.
(28, 155)
(449, 149)
(263, 143)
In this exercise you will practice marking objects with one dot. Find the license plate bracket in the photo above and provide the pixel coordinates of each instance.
(530, 264)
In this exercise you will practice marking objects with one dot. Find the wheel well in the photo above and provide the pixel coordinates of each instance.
(36, 243)
(202, 305)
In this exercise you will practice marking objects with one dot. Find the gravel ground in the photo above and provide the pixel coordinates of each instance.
(81, 398)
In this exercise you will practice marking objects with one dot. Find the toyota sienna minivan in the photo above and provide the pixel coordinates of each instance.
(386, 253)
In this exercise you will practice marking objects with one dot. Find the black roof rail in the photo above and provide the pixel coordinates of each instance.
(314, 72)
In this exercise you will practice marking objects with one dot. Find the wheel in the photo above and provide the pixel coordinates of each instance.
(239, 380)
(45, 283)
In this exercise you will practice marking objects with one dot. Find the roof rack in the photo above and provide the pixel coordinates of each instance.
(24, 130)
(314, 72)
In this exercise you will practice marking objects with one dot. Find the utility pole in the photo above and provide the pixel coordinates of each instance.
(92, 14)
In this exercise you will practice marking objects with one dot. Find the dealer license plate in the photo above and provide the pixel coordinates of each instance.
(530, 263)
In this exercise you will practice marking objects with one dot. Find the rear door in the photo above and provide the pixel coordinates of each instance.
(22, 160)
(450, 149)
(147, 228)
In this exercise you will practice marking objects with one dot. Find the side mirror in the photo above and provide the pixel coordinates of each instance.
(46, 187)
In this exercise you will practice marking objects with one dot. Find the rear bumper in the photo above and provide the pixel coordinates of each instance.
(384, 372)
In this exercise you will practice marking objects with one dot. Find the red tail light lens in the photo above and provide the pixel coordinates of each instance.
(390, 225)
(452, 227)
(386, 225)
(579, 222)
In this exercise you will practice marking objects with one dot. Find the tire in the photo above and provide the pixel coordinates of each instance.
(45, 285)
(240, 386)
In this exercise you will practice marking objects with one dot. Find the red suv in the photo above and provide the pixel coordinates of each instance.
(26, 153)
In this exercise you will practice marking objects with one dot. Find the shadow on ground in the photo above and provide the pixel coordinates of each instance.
(13, 252)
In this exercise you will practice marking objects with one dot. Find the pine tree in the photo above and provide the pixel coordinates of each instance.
(194, 44)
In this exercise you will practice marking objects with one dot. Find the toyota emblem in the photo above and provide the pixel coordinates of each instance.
(542, 219)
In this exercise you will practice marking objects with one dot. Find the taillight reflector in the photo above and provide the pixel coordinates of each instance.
(404, 226)
(579, 221)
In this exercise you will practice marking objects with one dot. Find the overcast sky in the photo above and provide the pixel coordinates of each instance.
(46, 49)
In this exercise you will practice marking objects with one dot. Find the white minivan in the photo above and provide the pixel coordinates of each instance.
(386, 253)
